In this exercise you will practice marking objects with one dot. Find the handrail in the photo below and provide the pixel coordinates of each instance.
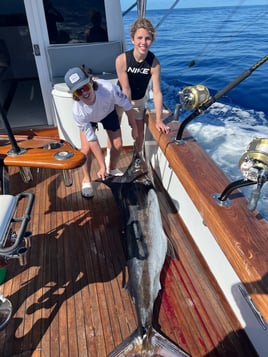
(24, 222)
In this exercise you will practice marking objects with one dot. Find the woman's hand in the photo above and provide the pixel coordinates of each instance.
(160, 126)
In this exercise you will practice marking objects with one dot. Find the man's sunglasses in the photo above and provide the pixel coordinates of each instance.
(86, 88)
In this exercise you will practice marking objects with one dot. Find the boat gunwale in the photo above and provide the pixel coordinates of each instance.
(240, 233)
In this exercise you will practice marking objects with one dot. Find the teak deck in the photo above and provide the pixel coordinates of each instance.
(70, 300)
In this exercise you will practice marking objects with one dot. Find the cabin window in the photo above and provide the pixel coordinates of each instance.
(16, 58)
(12, 13)
(70, 21)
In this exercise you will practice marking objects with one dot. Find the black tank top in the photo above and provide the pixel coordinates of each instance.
(139, 74)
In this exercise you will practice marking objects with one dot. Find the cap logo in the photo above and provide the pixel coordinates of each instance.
(74, 78)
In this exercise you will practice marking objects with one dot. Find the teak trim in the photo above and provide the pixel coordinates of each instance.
(241, 234)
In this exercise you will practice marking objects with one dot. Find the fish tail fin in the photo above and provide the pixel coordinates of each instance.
(152, 345)
(165, 348)
(127, 346)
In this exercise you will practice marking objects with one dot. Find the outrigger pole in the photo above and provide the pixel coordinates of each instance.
(218, 95)
(141, 6)
(167, 14)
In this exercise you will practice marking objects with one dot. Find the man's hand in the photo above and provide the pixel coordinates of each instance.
(102, 173)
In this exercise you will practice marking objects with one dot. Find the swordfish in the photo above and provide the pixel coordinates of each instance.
(146, 249)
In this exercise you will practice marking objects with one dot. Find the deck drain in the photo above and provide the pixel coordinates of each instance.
(63, 155)
(53, 145)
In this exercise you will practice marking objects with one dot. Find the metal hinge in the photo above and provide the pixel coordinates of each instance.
(36, 50)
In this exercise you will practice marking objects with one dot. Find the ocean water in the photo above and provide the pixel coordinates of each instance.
(213, 47)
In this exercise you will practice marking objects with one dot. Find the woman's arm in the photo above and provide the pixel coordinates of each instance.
(120, 65)
(158, 97)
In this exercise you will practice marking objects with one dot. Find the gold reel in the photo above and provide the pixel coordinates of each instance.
(192, 97)
(255, 159)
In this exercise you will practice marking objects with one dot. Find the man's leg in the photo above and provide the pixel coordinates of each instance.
(115, 138)
(87, 190)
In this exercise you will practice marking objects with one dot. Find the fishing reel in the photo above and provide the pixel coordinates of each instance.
(253, 165)
(192, 97)
(254, 162)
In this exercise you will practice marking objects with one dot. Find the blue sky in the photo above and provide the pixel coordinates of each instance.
(164, 4)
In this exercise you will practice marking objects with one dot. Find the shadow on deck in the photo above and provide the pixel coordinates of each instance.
(70, 301)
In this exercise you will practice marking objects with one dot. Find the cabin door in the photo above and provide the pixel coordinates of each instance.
(20, 86)
(55, 23)
(27, 29)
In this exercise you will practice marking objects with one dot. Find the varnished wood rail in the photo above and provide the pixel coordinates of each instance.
(41, 152)
(241, 234)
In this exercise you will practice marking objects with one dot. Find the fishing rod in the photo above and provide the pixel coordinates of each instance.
(197, 97)
(16, 150)
(25, 172)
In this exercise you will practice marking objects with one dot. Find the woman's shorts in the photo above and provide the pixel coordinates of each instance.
(138, 106)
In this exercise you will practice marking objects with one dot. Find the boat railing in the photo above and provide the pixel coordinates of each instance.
(192, 178)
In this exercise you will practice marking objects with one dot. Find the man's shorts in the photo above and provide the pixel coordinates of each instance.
(111, 122)
(138, 106)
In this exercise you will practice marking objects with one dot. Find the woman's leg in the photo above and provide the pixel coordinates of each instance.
(139, 108)
(140, 138)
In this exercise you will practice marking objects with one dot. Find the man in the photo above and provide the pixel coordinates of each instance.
(94, 102)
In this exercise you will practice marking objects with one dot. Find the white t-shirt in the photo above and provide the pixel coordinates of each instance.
(107, 95)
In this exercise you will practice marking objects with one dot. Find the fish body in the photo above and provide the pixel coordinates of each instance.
(146, 249)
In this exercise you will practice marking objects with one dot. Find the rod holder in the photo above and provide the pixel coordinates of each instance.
(67, 177)
(22, 256)
(26, 174)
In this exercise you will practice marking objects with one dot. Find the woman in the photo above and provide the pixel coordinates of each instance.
(94, 101)
(135, 69)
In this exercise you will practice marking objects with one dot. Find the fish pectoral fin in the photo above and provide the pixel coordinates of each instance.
(156, 344)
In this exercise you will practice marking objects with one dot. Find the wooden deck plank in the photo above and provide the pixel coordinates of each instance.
(70, 301)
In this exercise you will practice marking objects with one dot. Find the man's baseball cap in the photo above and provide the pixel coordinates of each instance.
(75, 78)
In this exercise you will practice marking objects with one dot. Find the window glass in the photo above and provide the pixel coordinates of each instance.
(70, 21)
(12, 13)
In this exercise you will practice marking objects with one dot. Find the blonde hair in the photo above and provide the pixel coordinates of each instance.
(144, 24)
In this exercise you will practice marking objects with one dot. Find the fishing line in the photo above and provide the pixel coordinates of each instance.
(223, 41)
(167, 13)
(217, 33)
(227, 39)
